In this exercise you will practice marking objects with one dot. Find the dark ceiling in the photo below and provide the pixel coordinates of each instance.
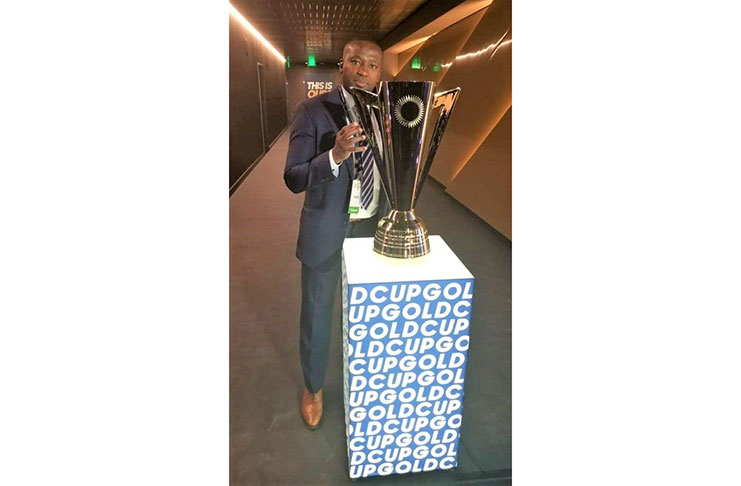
(322, 27)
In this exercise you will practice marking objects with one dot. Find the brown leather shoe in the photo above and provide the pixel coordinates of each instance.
(311, 408)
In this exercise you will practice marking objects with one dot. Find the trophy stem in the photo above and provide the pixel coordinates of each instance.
(401, 234)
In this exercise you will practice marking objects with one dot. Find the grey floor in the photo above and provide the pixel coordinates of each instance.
(268, 442)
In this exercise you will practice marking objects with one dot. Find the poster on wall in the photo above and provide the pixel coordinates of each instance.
(318, 82)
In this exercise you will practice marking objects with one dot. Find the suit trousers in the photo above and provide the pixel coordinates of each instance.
(318, 288)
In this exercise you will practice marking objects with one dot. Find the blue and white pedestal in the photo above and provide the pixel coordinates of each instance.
(405, 335)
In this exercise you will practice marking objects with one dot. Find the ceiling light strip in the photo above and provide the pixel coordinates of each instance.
(255, 32)
(495, 45)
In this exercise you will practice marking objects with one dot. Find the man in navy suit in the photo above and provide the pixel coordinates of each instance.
(328, 161)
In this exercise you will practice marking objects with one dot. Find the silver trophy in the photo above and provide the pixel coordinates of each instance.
(412, 121)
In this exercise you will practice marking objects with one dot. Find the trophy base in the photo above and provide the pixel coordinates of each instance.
(401, 235)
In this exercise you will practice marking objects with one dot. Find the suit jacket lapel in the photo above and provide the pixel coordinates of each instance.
(336, 114)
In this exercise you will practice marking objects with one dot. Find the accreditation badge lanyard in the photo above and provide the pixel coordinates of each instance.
(354, 205)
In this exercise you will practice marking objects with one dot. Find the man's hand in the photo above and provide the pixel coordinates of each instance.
(344, 143)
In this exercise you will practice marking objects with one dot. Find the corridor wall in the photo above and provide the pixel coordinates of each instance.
(245, 125)
(297, 76)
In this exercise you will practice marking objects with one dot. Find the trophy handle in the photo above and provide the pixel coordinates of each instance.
(444, 101)
(367, 101)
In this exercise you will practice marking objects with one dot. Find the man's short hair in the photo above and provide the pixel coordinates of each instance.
(361, 40)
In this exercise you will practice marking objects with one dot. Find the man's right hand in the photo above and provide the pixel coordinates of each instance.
(344, 143)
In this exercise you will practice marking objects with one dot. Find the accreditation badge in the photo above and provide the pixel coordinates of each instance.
(354, 206)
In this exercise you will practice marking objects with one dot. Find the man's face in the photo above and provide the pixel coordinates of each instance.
(361, 65)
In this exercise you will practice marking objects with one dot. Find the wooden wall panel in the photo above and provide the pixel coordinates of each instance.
(406, 56)
(474, 161)
(439, 49)
(486, 91)
(484, 185)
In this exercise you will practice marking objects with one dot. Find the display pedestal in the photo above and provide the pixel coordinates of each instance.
(405, 336)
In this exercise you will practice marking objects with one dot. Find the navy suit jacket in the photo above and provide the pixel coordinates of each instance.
(324, 215)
